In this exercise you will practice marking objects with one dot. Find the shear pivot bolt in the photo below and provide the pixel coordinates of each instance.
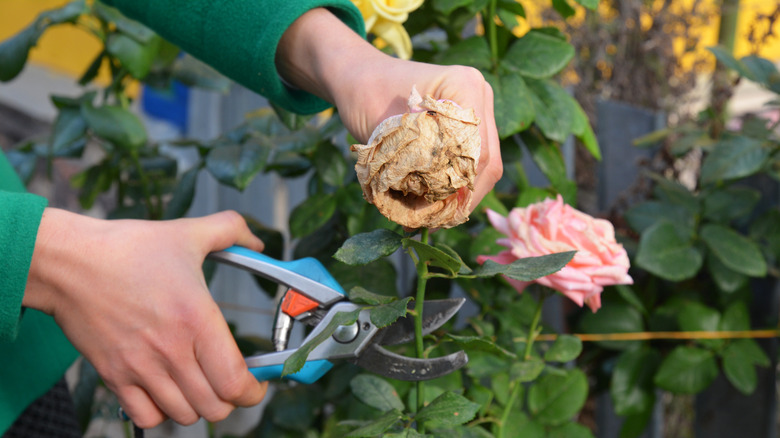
(346, 333)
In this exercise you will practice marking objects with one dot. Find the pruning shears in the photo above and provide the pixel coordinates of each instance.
(315, 298)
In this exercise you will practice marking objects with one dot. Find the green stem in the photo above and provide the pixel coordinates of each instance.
(422, 279)
(490, 24)
(533, 332)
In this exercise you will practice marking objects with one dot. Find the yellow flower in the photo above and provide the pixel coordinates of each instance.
(385, 18)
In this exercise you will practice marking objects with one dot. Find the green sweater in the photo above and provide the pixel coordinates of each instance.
(239, 38)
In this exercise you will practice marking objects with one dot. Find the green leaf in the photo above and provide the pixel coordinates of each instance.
(376, 392)
(135, 56)
(632, 388)
(563, 8)
(194, 73)
(766, 231)
(664, 253)
(590, 4)
(485, 344)
(644, 215)
(485, 243)
(526, 269)
(68, 136)
(448, 409)
(726, 58)
(367, 247)
(361, 295)
(570, 430)
(526, 370)
(564, 349)
(675, 193)
(735, 317)
(547, 156)
(635, 425)
(434, 256)
(330, 164)
(183, 195)
(739, 369)
(615, 317)
(14, 51)
(554, 398)
(733, 158)
(583, 130)
(378, 276)
(472, 51)
(385, 314)
(115, 124)
(237, 164)
(311, 214)
(378, 426)
(687, 370)
(726, 279)
(92, 71)
(726, 205)
(630, 297)
(736, 251)
(554, 114)
(538, 55)
(297, 360)
(694, 316)
(514, 106)
(751, 351)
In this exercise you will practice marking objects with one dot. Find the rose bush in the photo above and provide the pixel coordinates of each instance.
(551, 226)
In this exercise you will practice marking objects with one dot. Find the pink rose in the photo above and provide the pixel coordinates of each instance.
(550, 227)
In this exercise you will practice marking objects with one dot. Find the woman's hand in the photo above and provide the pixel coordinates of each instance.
(320, 54)
(131, 297)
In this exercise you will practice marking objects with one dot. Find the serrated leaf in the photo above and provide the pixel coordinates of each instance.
(311, 214)
(644, 215)
(481, 344)
(736, 251)
(366, 247)
(664, 253)
(538, 55)
(14, 51)
(297, 360)
(554, 398)
(376, 392)
(68, 136)
(726, 279)
(526, 269)
(378, 426)
(583, 130)
(686, 370)
(434, 256)
(735, 318)
(564, 349)
(731, 203)
(632, 388)
(448, 409)
(330, 164)
(361, 295)
(386, 314)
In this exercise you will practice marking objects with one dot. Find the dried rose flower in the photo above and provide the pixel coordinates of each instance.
(551, 226)
(419, 167)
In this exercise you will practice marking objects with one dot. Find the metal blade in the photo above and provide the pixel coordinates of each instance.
(435, 314)
(388, 364)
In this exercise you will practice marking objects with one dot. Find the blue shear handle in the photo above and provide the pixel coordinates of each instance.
(308, 267)
(310, 373)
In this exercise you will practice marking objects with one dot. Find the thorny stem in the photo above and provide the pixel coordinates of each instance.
(533, 332)
(422, 279)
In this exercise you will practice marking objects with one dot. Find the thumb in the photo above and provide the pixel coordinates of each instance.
(225, 229)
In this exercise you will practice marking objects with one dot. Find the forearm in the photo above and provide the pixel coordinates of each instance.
(320, 54)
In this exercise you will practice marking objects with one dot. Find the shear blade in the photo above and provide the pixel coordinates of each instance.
(394, 366)
(435, 314)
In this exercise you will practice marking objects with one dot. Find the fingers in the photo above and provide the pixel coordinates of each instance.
(225, 229)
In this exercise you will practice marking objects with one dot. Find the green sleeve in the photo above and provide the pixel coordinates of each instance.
(20, 215)
(239, 38)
